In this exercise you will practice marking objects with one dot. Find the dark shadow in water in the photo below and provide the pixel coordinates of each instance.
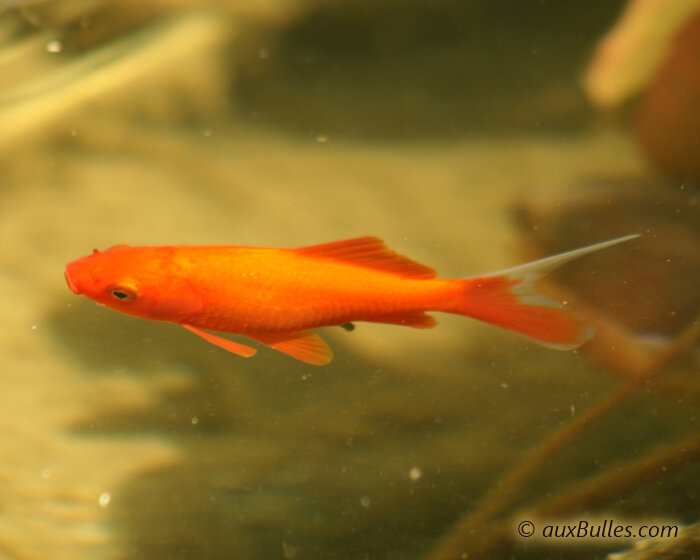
(413, 68)
(287, 455)
(302, 462)
(225, 387)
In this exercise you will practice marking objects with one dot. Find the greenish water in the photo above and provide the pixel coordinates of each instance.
(458, 133)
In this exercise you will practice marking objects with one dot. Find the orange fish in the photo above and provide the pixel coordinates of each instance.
(275, 296)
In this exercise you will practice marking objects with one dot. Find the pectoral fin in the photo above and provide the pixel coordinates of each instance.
(305, 346)
(225, 343)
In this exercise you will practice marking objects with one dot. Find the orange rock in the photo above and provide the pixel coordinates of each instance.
(668, 118)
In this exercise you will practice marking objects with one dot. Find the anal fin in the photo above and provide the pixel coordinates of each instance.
(225, 343)
(305, 346)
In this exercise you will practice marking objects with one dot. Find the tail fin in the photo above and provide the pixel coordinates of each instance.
(508, 298)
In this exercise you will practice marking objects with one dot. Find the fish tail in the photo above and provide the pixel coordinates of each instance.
(509, 299)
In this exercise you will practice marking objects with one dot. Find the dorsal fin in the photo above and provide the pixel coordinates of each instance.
(369, 252)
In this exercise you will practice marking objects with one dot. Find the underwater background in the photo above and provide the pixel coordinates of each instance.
(469, 135)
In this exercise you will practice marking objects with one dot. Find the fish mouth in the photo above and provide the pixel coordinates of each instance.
(71, 285)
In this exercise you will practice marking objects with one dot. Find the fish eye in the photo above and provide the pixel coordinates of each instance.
(123, 293)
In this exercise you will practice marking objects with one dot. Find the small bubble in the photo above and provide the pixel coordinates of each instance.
(33, 327)
(415, 474)
(365, 502)
(504, 385)
(207, 133)
(54, 46)
(322, 138)
(104, 499)
(195, 420)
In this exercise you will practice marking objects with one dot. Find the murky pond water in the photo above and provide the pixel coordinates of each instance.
(459, 133)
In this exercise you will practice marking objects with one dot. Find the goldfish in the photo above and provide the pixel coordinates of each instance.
(276, 296)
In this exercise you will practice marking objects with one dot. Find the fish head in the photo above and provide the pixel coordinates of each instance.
(138, 281)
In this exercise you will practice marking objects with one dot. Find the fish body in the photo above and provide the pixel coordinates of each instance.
(276, 295)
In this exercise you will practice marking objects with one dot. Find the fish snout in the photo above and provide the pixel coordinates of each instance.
(71, 284)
